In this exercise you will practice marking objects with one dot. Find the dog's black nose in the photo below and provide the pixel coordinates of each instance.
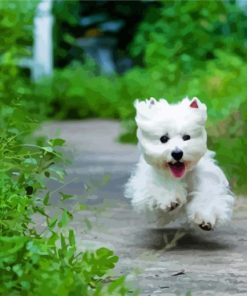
(177, 154)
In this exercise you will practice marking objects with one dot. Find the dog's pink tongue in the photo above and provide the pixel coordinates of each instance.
(177, 169)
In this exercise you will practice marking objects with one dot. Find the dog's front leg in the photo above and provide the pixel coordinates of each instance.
(211, 199)
(167, 203)
(152, 197)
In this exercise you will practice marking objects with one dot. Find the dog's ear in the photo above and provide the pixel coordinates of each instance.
(196, 104)
(149, 107)
(143, 107)
(197, 107)
(152, 101)
(146, 111)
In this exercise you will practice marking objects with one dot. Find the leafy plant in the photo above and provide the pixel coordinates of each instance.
(39, 260)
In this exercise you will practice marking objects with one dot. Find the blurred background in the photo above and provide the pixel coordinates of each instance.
(92, 59)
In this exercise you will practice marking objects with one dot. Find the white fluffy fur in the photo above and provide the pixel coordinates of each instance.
(202, 192)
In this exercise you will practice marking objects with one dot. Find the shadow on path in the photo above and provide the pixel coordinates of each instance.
(179, 239)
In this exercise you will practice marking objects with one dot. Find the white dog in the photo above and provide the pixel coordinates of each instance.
(176, 173)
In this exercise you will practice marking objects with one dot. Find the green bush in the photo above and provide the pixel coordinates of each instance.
(76, 92)
(229, 139)
(180, 37)
(40, 260)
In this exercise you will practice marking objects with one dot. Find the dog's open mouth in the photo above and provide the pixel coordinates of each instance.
(177, 169)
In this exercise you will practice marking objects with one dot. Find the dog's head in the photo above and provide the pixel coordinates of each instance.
(172, 136)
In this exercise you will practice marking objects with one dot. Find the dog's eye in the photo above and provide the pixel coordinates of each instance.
(186, 137)
(164, 139)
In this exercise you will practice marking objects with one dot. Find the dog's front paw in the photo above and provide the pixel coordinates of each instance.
(173, 205)
(205, 222)
(170, 205)
(206, 226)
(208, 217)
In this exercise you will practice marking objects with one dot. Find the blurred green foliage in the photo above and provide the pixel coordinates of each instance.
(88, 19)
(16, 26)
(16, 39)
(182, 36)
(185, 48)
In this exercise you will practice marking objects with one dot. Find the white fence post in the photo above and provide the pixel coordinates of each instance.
(42, 49)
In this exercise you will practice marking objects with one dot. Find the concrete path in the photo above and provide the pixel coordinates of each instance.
(169, 261)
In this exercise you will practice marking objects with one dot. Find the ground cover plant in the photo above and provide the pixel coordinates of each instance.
(42, 260)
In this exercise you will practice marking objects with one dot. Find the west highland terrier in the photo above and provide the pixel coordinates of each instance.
(176, 174)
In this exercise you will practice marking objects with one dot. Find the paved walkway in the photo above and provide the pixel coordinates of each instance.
(168, 261)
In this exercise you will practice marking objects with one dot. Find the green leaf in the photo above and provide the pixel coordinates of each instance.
(63, 242)
(65, 219)
(46, 199)
(52, 223)
(11, 245)
(56, 142)
(18, 269)
(47, 149)
(117, 285)
(72, 238)
(30, 161)
(65, 196)
(41, 211)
